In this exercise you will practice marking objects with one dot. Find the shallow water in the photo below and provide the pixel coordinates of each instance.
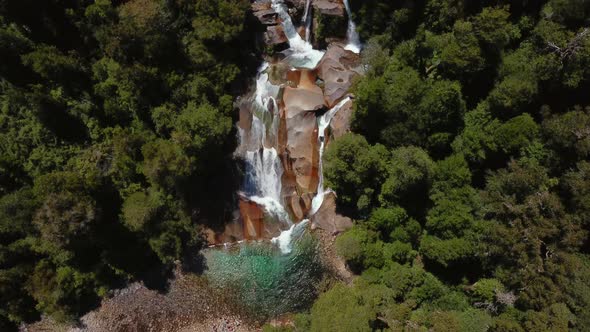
(264, 281)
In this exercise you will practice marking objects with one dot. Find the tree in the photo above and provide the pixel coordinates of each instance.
(165, 163)
(532, 233)
(566, 134)
(517, 133)
(493, 27)
(341, 309)
(456, 53)
(353, 168)
(442, 14)
(202, 128)
(140, 208)
(399, 108)
(360, 249)
(409, 175)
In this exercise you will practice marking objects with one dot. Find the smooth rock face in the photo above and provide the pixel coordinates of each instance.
(301, 125)
(341, 121)
(337, 69)
(329, 7)
(327, 219)
(253, 222)
(299, 100)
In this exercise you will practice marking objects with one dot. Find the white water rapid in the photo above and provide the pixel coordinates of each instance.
(263, 165)
(354, 41)
(286, 238)
(302, 54)
(323, 123)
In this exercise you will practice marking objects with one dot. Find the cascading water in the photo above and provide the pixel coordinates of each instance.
(263, 165)
(302, 54)
(323, 123)
(285, 239)
(259, 144)
(354, 41)
(268, 284)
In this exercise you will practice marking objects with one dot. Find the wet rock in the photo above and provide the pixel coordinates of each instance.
(299, 205)
(299, 4)
(252, 219)
(275, 35)
(337, 70)
(340, 124)
(299, 100)
(267, 16)
(329, 7)
(302, 147)
(328, 220)
(294, 204)
(301, 128)
(259, 5)
(329, 23)
(255, 223)
(245, 116)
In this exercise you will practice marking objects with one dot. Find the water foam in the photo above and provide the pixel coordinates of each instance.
(323, 123)
(354, 41)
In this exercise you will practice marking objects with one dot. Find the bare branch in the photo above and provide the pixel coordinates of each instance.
(572, 47)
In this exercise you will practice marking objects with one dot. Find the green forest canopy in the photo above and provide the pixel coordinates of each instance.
(116, 135)
(468, 172)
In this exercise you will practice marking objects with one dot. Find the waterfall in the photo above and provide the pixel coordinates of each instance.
(264, 170)
(285, 239)
(323, 123)
(354, 42)
(307, 21)
(259, 145)
(302, 53)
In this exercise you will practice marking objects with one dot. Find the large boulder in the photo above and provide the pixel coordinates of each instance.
(327, 219)
(275, 35)
(329, 22)
(259, 5)
(340, 123)
(299, 205)
(329, 7)
(337, 69)
(298, 100)
(267, 16)
(301, 128)
(256, 223)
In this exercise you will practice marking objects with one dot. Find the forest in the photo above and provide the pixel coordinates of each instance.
(116, 135)
(467, 171)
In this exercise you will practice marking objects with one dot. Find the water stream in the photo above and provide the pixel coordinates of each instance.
(301, 53)
(307, 21)
(323, 123)
(354, 41)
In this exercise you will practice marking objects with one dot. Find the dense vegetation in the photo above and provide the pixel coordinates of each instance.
(468, 172)
(116, 134)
